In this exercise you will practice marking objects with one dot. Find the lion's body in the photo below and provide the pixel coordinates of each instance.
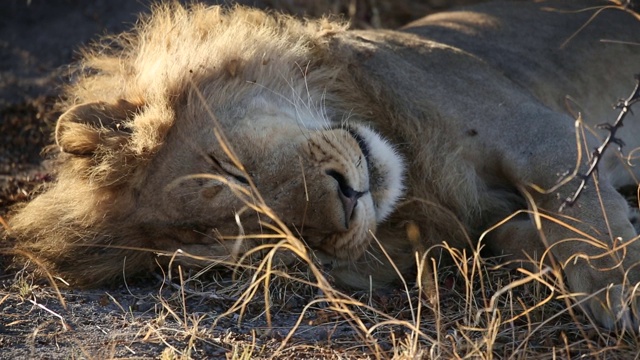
(471, 110)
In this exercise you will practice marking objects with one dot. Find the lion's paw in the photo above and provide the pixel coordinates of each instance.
(616, 308)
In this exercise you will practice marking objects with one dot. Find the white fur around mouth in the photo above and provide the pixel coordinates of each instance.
(386, 171)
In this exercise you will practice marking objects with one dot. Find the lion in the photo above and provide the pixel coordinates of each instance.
(449, 126)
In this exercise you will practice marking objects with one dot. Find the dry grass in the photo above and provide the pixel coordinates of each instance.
(477, 309)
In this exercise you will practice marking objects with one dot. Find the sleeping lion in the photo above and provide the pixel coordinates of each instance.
(446, 127)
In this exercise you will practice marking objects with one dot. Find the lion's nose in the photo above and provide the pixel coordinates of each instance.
(348, 196)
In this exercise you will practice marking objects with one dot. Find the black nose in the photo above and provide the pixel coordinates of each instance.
(348, 196)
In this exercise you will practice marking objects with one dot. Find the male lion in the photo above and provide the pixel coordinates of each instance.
(448, 126)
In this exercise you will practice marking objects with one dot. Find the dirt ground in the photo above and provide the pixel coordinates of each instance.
(173, 318)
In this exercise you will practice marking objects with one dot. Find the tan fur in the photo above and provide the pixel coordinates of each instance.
(469, 108)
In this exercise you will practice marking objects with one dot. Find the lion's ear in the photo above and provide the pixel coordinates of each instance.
(85, 127)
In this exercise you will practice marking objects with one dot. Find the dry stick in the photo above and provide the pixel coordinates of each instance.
(625, 107)
(64, 323)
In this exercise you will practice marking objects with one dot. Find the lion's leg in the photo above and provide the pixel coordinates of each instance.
(589, 268)
(517, 242)
(604, 261)
(593, 240)
(595, 243)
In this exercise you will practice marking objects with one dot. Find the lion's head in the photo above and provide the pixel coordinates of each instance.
(170, 138)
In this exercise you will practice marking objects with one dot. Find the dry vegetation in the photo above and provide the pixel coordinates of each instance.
(261, 309)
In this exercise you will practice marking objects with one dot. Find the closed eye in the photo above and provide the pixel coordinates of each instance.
(226, 170)
(241, 179)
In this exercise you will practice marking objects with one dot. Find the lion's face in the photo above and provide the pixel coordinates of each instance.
(330, 184)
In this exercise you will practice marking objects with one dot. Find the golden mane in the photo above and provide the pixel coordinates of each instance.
(151, 72)
(163, 61)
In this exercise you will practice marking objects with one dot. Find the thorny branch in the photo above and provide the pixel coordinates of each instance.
(625, 108)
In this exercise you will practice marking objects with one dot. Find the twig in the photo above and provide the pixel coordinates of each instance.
(625, 108)
(64, 323)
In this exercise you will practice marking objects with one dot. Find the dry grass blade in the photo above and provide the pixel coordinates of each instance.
(4, 224)
(62, 321)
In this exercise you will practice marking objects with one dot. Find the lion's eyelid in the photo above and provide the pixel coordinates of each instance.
(228, 169)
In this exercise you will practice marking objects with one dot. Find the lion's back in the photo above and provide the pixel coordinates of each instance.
(553, 51)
